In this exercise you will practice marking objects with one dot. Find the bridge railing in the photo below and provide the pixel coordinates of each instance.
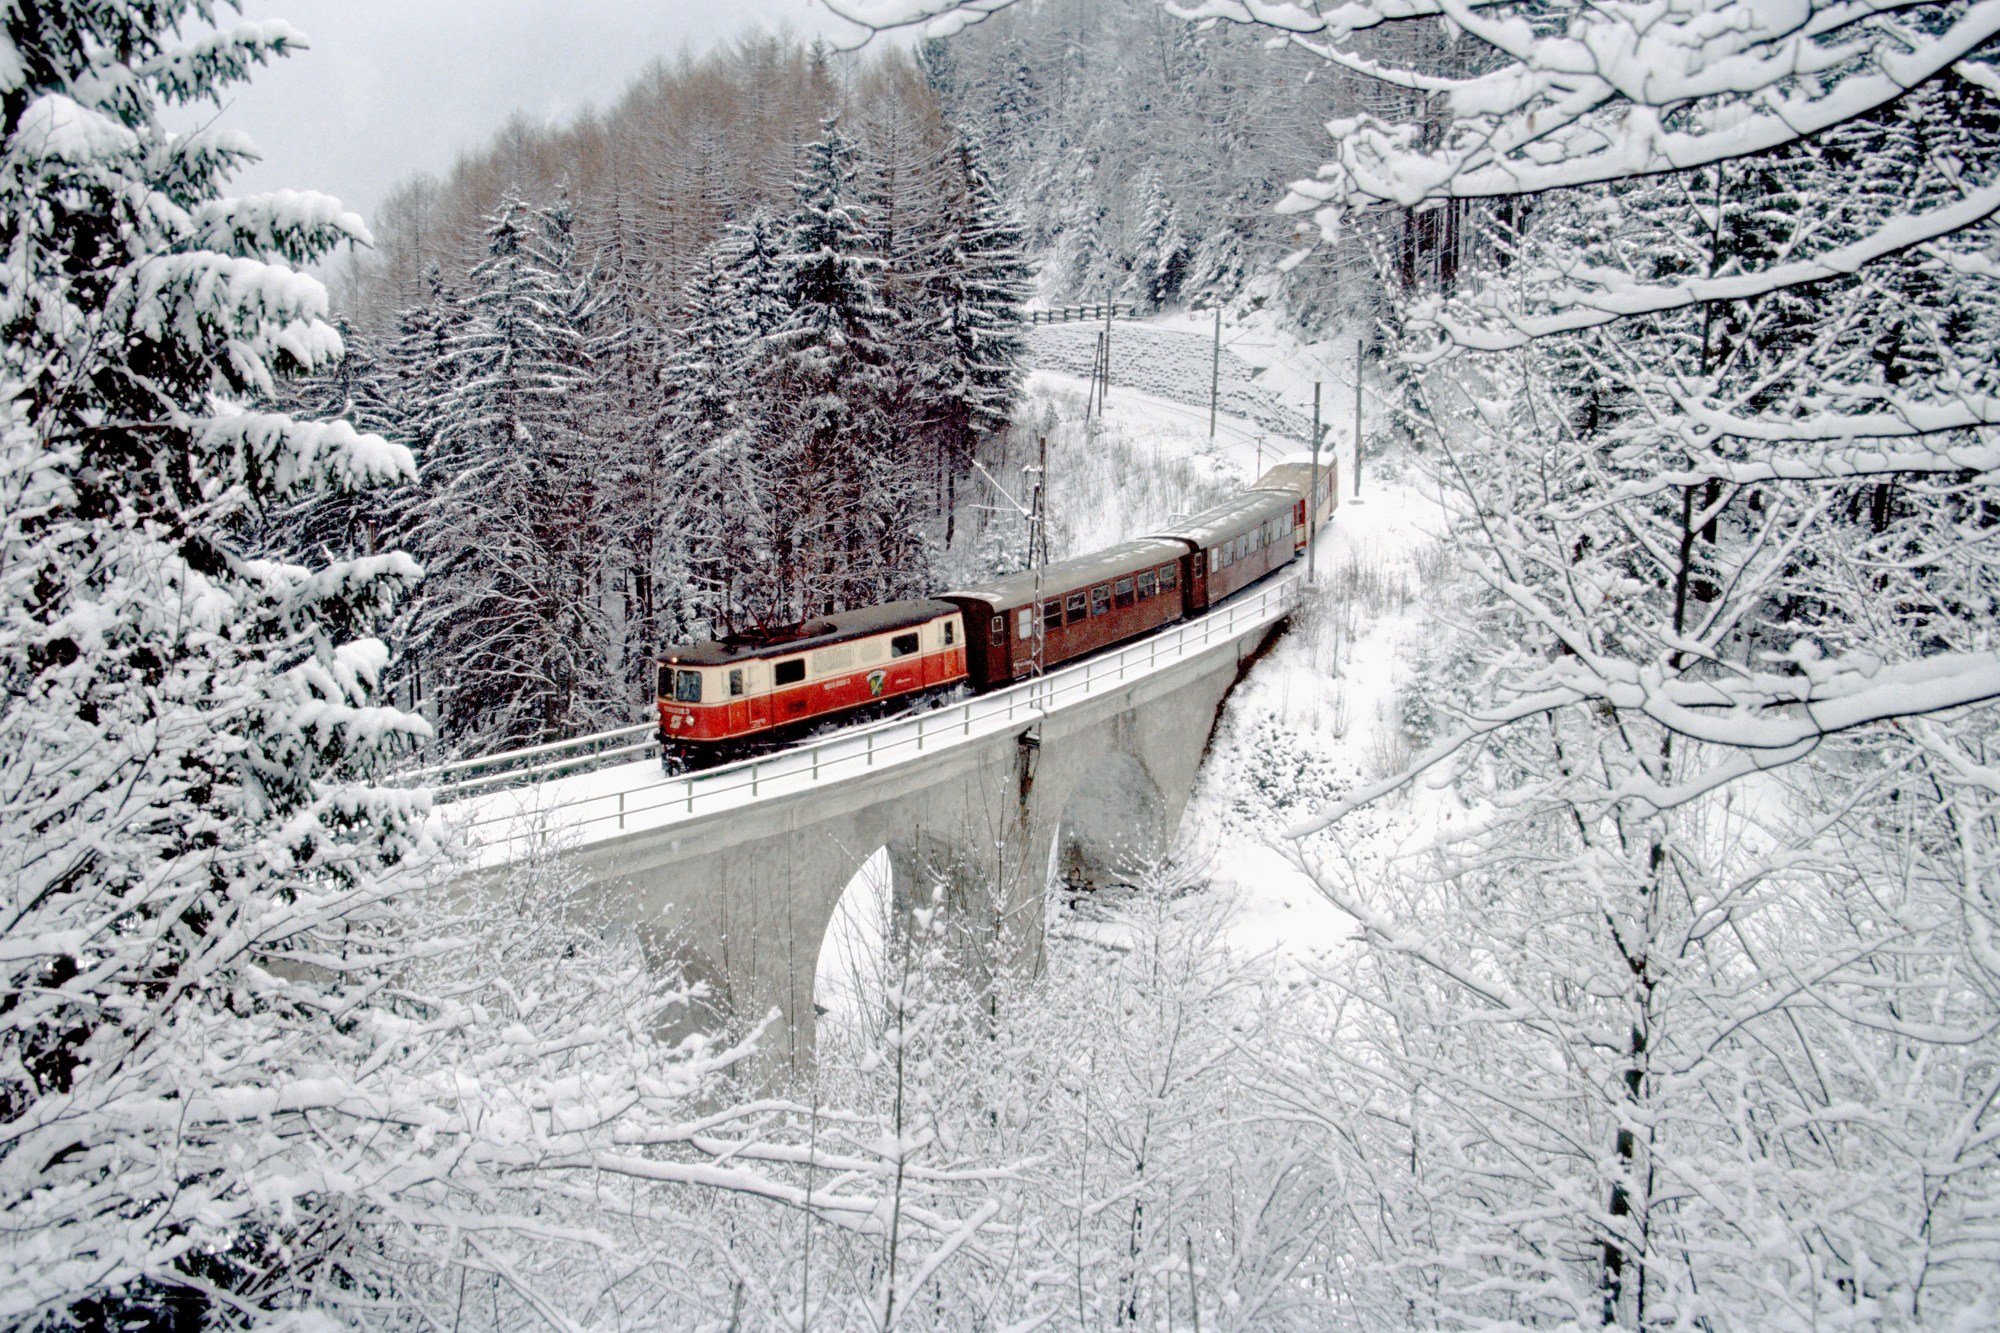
(536, 762)
(597, 811)
(1071, 313)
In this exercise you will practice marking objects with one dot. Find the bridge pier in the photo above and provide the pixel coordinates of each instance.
(742, 899)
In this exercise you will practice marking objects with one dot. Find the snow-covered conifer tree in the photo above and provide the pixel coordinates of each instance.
(510, 618)
(721, 500)
(194, 851)
(848, 529)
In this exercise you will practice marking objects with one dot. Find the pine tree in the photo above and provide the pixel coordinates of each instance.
(195, 854)
(843, 522)
(510, 627)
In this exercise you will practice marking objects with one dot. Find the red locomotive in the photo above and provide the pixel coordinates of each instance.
(728, 697)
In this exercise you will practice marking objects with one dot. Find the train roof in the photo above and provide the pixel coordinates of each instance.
(1070, 575)
(817, 633)
(1293, 473)
(1231, 517)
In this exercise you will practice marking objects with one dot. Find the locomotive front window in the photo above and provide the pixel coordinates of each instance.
(736, 682)
(903, 645)
(1124, 597)
(1052, 615)
(687, 687)
(1079, 607)
(1148, 585)
(1100, 599)
(789, 672)
(666, 689)
(1169, 576)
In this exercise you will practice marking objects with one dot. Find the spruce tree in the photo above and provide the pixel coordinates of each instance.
(509, 617)
(719, 501)
(844, 484)
(194, 851)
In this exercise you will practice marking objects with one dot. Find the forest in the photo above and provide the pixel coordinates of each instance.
(1636, 748)
(716, 362)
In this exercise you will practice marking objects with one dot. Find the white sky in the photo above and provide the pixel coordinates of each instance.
(394, 87)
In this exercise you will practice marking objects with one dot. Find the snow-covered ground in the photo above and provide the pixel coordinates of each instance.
(1320, 713)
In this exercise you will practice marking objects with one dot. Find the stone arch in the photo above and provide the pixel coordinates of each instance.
(1114, 818)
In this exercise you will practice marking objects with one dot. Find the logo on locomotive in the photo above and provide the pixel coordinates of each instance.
(875, 679)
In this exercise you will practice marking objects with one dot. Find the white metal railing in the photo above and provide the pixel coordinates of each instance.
(585, 806)
(534, 761)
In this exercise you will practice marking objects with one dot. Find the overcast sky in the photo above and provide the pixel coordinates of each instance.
(394, 87)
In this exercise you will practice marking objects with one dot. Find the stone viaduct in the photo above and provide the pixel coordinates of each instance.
(742, 896)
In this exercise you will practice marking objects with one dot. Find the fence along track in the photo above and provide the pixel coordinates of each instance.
(1083, 313)
(670, 800)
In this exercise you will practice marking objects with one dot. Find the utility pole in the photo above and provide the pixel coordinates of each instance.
(1360, 349)
(1109, 306)
(1038, 550)
(1312, 497)
(1215, 372)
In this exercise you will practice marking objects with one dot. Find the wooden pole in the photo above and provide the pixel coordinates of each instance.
(1312, 497)
(1360, 349)
(1215, 372)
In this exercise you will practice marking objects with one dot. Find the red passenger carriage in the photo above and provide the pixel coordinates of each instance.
(1294, 475)
(1234, 544)
(1087, 603)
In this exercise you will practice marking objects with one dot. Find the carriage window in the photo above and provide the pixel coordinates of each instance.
(903, 645)
(1124, 597)
(1169, 576)
(789, 672)
(1078, 607)
(1220, 560)
(1100, 599)
(950, 633)
(736, 682)
(1052, 615)
(1148, 585)
(1000, 629)
(687, 687)
(1024, 622)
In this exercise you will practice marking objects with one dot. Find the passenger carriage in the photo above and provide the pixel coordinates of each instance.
(750, 687)
(1294, 475)
(1087, 603)
(1234, 544)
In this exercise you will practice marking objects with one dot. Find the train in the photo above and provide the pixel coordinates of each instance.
(744, 694)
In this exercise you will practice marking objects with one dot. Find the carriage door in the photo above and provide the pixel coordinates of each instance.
(1022, 623)
(733, 693)
(757, 683)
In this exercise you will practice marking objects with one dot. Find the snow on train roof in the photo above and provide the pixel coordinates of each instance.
(1077, 572)
(816, 633)
(1292, 473)
(1231, 517)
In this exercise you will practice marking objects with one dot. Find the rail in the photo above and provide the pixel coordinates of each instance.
(598, 811)
(1069, 314)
